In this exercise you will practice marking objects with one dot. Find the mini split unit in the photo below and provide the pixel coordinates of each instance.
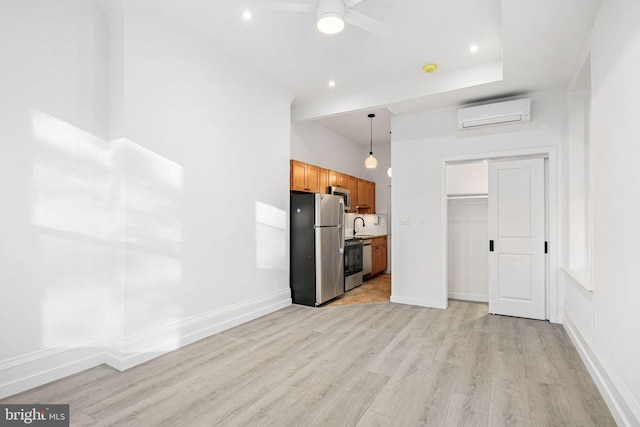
(494, 114)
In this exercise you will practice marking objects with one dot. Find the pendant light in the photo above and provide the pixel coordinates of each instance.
(371, 161)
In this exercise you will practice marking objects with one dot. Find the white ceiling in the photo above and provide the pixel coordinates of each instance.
(523, 45)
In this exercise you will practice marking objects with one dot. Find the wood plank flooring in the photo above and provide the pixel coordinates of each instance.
(377, 364)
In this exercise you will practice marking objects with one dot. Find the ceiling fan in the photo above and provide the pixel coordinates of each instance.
(332, 15)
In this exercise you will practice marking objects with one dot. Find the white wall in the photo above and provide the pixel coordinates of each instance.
(576, 161)
(145, 190)
(420, 142)
(467, 231)
(467, 259)
(54, 185)
(319, 145)
(207, 172)
(605, 323)
(468, 179)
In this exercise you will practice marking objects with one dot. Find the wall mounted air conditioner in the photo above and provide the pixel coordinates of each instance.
(494, 114)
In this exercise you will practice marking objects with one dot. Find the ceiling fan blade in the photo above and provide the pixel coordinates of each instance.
(366, 23)
(285, 6)
(349, 3)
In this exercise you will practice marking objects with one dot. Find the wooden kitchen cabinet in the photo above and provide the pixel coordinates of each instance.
(352, 185)
(366, 200)
(337, 179)
(378, 255)
(305, 177)
(324, 181)
(314, 179)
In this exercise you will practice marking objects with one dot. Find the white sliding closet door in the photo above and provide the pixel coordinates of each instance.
(516, 235)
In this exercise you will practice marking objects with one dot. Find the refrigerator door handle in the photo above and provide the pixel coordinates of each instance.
(341, 225)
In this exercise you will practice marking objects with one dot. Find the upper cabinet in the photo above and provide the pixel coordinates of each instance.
(305, 177)
(314, 179)
(324, 181)
(337, 179)
(352, 185)
(366, 201)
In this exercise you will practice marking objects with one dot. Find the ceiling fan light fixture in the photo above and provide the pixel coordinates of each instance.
(332, 16)
(330, 23)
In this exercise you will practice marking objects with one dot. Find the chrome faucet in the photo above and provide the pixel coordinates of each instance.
(354, 224)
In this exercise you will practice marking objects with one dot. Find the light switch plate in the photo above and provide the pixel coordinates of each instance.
(405, 220)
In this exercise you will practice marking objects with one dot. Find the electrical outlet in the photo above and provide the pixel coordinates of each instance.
(405, 220)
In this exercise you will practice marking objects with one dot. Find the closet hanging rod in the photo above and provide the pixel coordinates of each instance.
(467, 196)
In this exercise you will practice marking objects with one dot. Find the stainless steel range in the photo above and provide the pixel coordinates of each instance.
(353, 263)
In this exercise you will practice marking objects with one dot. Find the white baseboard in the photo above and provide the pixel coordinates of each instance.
(418, 301)
(35, 369)
(469, 297)
(40, 367)
(623, 406)
(137, 349)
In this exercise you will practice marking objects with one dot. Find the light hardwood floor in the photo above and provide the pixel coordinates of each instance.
(377, 364)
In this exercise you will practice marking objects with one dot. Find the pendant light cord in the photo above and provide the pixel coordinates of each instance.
(371, 116)
(371, 161)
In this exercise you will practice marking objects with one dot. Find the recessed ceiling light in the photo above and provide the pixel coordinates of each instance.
(332, 83)
(247, 15)
(473, 48)
(429, 68)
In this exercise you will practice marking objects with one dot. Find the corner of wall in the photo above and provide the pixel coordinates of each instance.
(419, 302)
(624, 408)
(40, 367)
(139, 348)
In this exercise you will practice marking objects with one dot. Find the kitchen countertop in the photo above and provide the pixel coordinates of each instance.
(364, 236)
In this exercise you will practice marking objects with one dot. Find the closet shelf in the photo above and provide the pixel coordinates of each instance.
(467, 196)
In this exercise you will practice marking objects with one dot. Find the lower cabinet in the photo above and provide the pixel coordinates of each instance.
(378, 255)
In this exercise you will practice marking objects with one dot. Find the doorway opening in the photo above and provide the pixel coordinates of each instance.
(375, 290)
(467, 230)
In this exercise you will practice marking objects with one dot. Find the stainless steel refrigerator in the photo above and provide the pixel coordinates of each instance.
(316, 248)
